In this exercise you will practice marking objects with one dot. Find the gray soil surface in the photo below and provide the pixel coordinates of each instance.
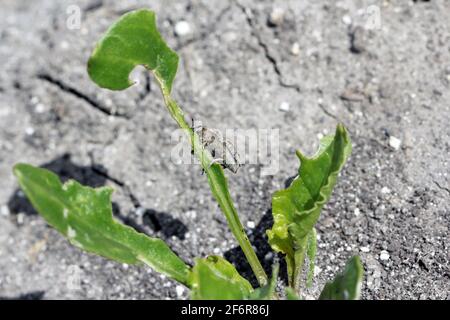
(389, 83)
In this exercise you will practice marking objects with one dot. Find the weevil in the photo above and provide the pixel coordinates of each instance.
(214, 142)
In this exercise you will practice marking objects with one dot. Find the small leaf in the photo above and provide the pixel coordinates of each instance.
(133, 40)
(268, 291)
(296, 209)
(84, 216)
(214, 278)
(347, 285)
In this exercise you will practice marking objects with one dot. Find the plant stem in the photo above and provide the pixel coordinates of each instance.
(219, 188)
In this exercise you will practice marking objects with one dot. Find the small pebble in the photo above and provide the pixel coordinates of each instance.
(40, 108)
(347, 19)
(140, 211)
(29, 131)
(191, 214)
(394, 142)
(216, 251)
(295, 49)
(250, 224)
(182, 28)
(276, 17)
(364, 249)
(179, 290)
(20, 218)
(268, 256)
(4, 211)
(317, 270)
(284, 106)
(384, 255)
(385, 190)
(356, 211)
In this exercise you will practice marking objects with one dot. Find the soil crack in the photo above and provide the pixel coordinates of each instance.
(78, 94)
(441, 187)
(271, 59)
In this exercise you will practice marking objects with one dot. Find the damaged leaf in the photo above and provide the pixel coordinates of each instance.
(122, 49)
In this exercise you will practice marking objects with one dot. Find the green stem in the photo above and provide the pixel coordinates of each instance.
(219, 188)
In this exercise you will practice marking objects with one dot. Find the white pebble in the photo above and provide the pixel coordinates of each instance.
(40, 108)
(276, 16)
(140, 211)
(216, 251)
(250, 224)
(65, 45)
(364, 249)
(284, 106)
(385, 190)
(347, 19)
(21, 218)
(395, 143)
(191, 214)
(34, 100)
(268, 256)
(295, 49)
(357, 212)
(182, 28)
(4, 211)
(179, 290)
(29, 131)
(317, 270)
(384, 255)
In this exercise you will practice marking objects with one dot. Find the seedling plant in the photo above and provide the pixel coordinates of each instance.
(84, 214)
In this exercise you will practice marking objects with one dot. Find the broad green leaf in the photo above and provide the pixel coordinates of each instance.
(267, 292)
(133, 40)
(84, 216)
(296, 209)
(347, 285)
(214, 278)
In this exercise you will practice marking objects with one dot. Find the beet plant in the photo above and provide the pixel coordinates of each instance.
(84, 215)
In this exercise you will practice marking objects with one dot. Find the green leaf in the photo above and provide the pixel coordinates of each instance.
(84, 216)
(214, 278)
(267, 292)
(347, 285)
(296, 209)
(133, 40)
